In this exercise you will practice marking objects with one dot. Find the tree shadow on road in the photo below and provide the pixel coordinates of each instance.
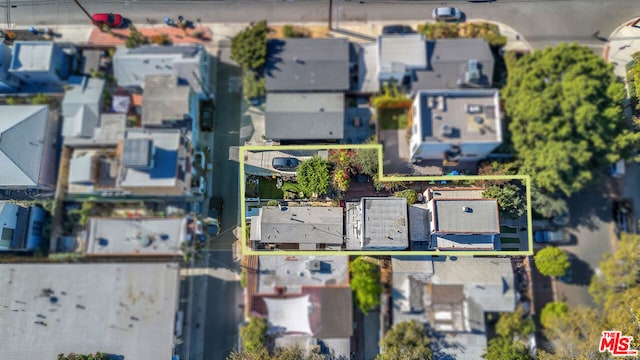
(593, 202)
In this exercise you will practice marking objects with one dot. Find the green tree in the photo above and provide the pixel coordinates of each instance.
(368, 161)
(407, 340)
(408, 194)
(553, 311)
(39, 99)
(72, 356)
(510, 198)
(285, 353)
(515, 324)
(253, 86)
(546, 205)
(136, 38)
(566, 120)
(289, 31)
(313, 176)
(574, 336)
(618, 271)
(253, 334)
(503, 347)
(552, 261)
(249, 47)
(365, 283)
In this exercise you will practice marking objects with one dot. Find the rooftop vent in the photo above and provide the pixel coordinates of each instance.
(474, 109)
(466, 209)
(446, 130)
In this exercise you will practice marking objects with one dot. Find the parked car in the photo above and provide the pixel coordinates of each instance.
(285, 164)
(552, 237)
(397, 29)
(622, 216)
(202, 185)
(207, 121)
(214, 217)
(110, 19)
(447, 14)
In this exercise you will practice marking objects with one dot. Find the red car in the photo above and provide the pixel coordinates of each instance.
(112, 20)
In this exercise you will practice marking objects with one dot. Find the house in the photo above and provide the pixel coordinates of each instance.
(28, 156)
(126, 310)
(81, 107)
(307, 65)
(166, 101)
(21, 226)
(188, 62)
(451, 297)
(155, 162)
(377, 223)
(421, 64)
(41, 63)
(464, 224)
(297, 228)
(137, 236)
(305, 116)
(8, 82)
(455, 125)
(303, 300)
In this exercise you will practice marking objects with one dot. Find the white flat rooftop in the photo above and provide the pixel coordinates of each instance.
(120, 309)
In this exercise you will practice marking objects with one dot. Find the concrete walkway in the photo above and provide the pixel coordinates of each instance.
(623, 42)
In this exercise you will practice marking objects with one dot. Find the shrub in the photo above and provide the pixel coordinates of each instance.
(253, 86)
(273, 203)
(289, 31)
(408, 194)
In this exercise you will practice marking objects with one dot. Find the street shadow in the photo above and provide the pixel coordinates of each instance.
(593, 202)
(581, 272)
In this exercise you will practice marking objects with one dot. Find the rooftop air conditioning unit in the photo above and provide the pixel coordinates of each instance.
(446, 130)
(313, 265)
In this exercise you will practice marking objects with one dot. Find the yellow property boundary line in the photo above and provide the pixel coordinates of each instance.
(247, 251)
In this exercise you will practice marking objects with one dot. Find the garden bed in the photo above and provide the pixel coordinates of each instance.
(393, 119)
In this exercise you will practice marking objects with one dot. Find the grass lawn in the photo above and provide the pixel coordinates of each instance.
(507, 229)
(267, 189)
(509, 240)
(392, 119)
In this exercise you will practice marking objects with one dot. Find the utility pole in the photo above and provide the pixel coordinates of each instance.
(330, 12)
(87, 13)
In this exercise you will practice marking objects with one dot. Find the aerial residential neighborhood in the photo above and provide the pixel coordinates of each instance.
(319, 180)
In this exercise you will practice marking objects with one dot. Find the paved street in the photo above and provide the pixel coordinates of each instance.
(223, 313)
(591, 216)
(226, 134)
(542, 22)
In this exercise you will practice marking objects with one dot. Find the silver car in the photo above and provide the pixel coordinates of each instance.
(447, 14)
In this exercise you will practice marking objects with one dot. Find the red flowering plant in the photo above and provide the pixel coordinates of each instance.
(344, 167)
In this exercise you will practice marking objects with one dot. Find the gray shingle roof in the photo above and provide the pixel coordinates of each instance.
(310, 225)
(304, 116)
(22, 132)
(307, 65)
(81, 106)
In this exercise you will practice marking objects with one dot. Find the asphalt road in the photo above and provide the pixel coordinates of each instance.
(591, 213)
(542, 22)
(223, 314)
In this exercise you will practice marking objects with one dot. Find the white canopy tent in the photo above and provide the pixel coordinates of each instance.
(289, 315)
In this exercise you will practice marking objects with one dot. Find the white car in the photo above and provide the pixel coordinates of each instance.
(203, 185)
(447, 14)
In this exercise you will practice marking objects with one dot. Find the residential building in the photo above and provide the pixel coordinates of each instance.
(377, 223)
(304, 301)
(298, 228)
(450, 296)
(28, 156)
(125, 310)
(305, 116)
(135, 236)
(81, 107)
(8, 82)
(188, 62)
(40, 63)
(464, 224)
(421, 64)
(307, 65)
(21, 227)
(166, 101)
(455, 125)
(155, 162)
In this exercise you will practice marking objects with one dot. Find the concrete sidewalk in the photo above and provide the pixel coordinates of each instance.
(623, 42)
(356, 31)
